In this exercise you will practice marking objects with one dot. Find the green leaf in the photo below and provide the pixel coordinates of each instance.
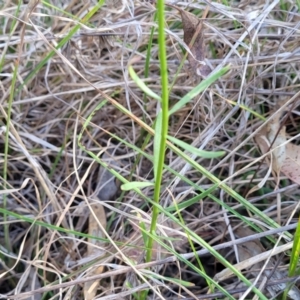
(140, 83)
(198, 89)
(192, 149)
(135, 184)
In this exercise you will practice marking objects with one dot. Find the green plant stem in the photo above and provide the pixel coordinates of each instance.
(164, 121)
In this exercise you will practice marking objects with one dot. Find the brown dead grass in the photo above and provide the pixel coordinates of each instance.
(49, 111)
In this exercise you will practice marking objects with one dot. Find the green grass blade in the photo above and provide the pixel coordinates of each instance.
(295, 252)
(199, 88)
(191, 149)
(48, 226)
(140, 83)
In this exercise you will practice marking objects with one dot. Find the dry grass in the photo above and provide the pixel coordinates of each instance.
(50, 179)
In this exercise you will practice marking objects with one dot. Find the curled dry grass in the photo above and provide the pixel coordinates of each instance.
(49, 178)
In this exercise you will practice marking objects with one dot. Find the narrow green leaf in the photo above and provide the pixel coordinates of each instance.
(180, 282)
(295, 252)
(140, 83)
(135, 185)
(192, 149)
(49, 226)
(198, 89)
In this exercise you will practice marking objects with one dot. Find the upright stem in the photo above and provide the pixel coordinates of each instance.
(164, 120)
